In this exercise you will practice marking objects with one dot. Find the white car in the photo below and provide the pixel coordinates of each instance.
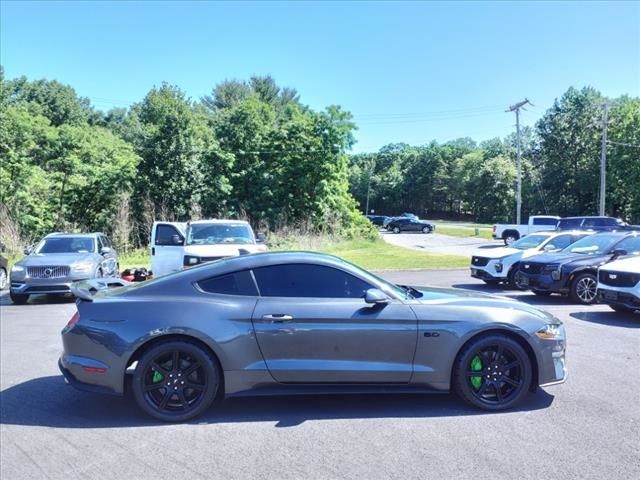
(176, 245)
(510, 233)
(619, 284)
(496, 265)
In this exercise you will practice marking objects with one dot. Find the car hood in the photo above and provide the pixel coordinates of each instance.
(38, 259)
(468, 298)
(625, 264)
(499, 252)
(571, 259)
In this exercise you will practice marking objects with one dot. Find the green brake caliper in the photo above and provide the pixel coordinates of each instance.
(157, 377)
(476, 366)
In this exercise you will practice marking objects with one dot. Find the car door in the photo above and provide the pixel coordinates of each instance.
(167, 255)
(313, 326)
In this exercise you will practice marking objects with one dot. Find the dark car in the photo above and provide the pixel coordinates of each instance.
(595, 224)
(377, 220)
(4, 269)
(404, 224)
(296, 322)
(573, 271)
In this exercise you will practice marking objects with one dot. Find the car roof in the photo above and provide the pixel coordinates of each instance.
(72, 235)
(219, 220)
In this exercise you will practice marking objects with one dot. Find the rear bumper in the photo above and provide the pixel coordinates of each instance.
(77, 384)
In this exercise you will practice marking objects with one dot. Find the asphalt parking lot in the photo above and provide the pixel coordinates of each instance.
(586, 428)
(437, 243)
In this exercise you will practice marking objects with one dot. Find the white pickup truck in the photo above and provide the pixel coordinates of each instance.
(511, 233)
(176, 245)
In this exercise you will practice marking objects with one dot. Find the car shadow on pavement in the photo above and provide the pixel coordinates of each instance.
(49, 402)
(615, 319)
(5, 299)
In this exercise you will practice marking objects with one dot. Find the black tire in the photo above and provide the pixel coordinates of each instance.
(158, 366)
(396, 229)
(622, 308)
(505, 368)
(19, 299)
(541, 294)
(584, 289)
(509, 237)
(511, 278)
(3, 278)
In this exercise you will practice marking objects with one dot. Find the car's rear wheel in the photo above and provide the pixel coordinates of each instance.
(176, 380)
(3, 279)
(493, 372)
(584, 289)
(18, 298)
(396, 229)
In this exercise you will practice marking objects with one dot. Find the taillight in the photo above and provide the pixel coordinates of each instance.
(74, 319)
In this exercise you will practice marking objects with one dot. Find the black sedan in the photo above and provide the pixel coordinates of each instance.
(403, 224)
(574, 270)
(295, 322)
(377, 220)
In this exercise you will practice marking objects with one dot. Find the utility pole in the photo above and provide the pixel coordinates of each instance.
(366, 209)
(516, 108)
(603, 158)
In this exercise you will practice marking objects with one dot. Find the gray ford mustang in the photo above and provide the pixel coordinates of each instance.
(295, 322)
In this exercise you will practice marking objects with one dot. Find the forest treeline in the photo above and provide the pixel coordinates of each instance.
(251, 149)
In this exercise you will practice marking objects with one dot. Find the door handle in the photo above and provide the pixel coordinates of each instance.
(278, 318)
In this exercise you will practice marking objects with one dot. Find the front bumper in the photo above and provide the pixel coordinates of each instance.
(27, 285)
(618, 296)
(553, 365)
(489, 272)
(541, 282)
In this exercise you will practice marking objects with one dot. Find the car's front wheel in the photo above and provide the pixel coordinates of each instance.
(584, 289)
(426, 230)
(492, 372)
(18, 298)
(176, 380)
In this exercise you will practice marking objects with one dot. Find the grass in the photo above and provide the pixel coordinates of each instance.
(463, 232)
(462, 223)
(368, 254)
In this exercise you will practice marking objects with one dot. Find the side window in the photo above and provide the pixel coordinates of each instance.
(311, 281)
(107, 242)
(238, 283)
(100, 243)
(630, 244)
(164, 234)
(590, 223)
(561, 242)
(545, 221)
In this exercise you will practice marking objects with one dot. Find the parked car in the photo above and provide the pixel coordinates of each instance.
(595, 224)
(175, 245)
(619, 284)
(406, 224)
(4, 268)
(377, 220)
(573, 271)
(296, 322)
(59, 260)
(498, 265)
(509, 233)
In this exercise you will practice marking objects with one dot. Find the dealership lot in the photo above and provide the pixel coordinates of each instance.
(586, 428)
(436, 243)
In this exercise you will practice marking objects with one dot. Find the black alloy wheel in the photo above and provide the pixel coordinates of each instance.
(493, 373)
(176, 381)
(510, 238)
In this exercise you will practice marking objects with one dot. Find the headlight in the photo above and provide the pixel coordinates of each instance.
(82, 267)
(498, 267)
(190, 260)
(551, 331)
(556, 274)
(17, 268)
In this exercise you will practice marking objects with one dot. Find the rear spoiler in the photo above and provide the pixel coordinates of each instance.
(86, 289)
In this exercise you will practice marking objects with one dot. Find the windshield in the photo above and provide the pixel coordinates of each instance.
(217, 233)
(593, 245)
(66, 245)
(530, 241)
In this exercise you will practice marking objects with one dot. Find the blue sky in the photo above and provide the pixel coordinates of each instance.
(409, 72)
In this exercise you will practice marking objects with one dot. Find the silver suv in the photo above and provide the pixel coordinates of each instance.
(59, 260)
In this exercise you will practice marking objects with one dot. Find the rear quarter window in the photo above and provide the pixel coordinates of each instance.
(238, 283)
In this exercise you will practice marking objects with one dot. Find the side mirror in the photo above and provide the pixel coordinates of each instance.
(376, 296)
(260, 237)
(28, 250)
(619, 252)
(105, 250)
(177, 239)
(550, 248)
